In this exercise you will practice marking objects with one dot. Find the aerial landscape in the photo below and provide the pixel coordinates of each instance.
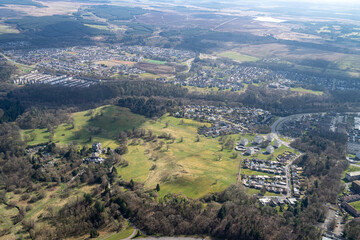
(179, 119)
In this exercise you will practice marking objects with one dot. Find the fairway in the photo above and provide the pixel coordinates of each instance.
(99, 125)
(237, 56)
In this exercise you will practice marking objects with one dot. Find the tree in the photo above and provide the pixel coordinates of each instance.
(157, 187)
(94, 233)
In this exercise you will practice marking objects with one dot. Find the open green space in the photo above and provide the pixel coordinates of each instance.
(237, 56)
(356, 205)
(306, 91)
(99, 125)
(188, 163)
(100, 27)
(155, 61)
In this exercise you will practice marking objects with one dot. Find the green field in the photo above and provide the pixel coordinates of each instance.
(188, 167)
(155, 61)
(306, 91)
(356, 205)
(102, 124)
(237, 56)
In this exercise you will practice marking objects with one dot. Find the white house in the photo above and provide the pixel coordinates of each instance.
(270, 137)
(250, 151)
(270, 149)
(244, 142)
(277, 144)
(258, 139)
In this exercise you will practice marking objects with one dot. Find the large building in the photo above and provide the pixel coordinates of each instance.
(270, 149)
(358, 155)
(351, 176)
(356, 186)
(244, 142)
(277, 144)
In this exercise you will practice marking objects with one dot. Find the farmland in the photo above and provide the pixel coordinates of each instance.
(237, 56)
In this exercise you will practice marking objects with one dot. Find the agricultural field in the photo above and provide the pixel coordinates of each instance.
(237, 56)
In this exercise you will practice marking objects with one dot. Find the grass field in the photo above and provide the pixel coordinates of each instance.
(356, 205)
(186, 166)
(102, 124)
(155, 61)
(237, 56)
(306, 91)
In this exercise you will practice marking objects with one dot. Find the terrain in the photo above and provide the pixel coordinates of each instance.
(221, 120)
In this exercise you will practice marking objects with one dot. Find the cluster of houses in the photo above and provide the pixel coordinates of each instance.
(101, 61)
(299, 125)
(277, 201)
(297, 178)
(265, 166)
(95, 156)
(346, 204)
(242, 146)
(36, 77)
(285, 157)
(225, 120)
(275, 184)
(346, 201)
(354, 138)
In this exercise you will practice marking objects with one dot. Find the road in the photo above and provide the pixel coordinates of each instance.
(221, 24)
(275, 127)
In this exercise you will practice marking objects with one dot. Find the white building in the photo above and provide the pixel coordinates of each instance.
(250, 151)
(277, 144)
(271, 137)
(358, 155)
(244, 142)
(258, 139)
(270, 149)
(351, 176)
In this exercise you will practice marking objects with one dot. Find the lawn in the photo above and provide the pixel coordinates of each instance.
(356, 205)
(99, 125)
(237, 56)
